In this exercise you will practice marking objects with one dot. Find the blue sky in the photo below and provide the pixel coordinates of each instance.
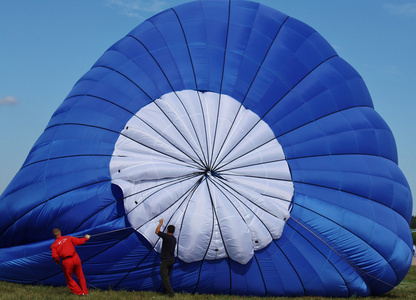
(47, 45)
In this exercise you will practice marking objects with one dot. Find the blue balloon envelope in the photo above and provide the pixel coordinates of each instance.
(242, 127)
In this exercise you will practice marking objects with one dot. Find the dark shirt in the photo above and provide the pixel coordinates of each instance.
(168, 245)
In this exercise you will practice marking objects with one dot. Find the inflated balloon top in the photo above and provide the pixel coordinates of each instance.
(242, 127)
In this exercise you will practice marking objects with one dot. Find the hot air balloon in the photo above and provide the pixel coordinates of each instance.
(242, 127)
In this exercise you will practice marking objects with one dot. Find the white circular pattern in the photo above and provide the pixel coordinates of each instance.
(207, 165)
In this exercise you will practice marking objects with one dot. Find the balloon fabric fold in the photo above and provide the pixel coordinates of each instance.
(242, 127)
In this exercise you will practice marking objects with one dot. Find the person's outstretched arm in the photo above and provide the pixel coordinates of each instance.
(158, 226)
(79, 241)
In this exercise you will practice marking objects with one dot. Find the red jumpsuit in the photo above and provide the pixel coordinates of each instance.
(63, 247)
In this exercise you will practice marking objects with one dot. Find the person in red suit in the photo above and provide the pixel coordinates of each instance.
(63, 247)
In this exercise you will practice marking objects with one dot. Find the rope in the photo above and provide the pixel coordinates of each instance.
(107, 232)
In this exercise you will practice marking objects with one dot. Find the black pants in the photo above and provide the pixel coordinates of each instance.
(165, 268)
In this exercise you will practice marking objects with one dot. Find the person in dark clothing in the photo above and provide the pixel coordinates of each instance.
(167, 256)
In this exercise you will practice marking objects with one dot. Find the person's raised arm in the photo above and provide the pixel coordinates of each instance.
(79, 241)
(158, 226)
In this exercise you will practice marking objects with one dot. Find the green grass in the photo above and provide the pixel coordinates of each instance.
(406, 290)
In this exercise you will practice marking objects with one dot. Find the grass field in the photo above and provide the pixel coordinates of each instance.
(406, 290)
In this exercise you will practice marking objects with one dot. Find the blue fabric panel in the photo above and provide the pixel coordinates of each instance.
(306, 268)
(13, 210)
(272, 262)
(352, 233)
(96, 89)
(246, 279)
(345, 173)
(206, 283)
(23, 179)
(319, 94)
(345, 132)
(189, 277)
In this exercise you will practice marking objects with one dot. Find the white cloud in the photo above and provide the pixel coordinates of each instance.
(8, 100)
(405, 9)
(136, 8)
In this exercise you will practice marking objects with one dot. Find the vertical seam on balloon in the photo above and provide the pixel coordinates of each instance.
(193, 125)
(296, 84)
(177, 129)
(167, 47)
(197, 162)
(187, 47)
(207, 159)
(261, 274)
(209, 243)
(199, 276)
(261, 118)
(222, 238)
(248, 90)
(189, 196)
(206, 252)
(216, 163)
(155, 102)
(293, 267)
(173, 90)
(216, 217)
(154, 59)
(211, 163)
